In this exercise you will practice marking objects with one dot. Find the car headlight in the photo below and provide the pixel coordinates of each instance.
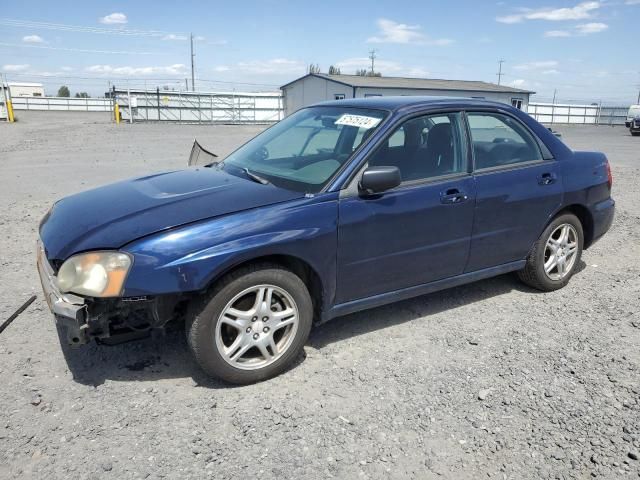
(95, 274)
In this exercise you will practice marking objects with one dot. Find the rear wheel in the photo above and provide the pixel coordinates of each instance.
(556, 255)
(254, 325)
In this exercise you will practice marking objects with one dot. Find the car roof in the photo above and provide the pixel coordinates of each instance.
(395, 103)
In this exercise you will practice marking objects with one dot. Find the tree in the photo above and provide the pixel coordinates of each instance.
(63, 91)
(82, 95)
(334, 70)
(363, 72)
(313, 68)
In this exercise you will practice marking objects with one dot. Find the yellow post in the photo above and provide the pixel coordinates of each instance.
(116, 111)
(10, 112)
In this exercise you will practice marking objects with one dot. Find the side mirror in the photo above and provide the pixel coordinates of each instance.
(379, 179)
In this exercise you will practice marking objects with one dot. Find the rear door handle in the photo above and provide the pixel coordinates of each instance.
(453, 195)
(547, 178)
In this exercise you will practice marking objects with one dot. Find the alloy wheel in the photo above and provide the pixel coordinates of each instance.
(256, 327)
(561, 251)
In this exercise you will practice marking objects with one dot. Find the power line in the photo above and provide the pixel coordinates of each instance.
(11, 22)
(138, 79)
(80, 50)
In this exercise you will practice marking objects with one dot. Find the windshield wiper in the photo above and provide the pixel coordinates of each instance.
(254, 177)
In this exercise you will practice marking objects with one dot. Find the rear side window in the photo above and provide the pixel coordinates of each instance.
(500, 140)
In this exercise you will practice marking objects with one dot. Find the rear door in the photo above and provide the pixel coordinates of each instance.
(418, 232)
(517, 189)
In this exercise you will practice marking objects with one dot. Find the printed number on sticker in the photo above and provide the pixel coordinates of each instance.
(361, 121)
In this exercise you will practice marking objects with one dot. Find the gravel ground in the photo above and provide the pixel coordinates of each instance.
(488, 380)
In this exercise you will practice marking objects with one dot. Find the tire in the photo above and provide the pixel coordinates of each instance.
(273, 343)
(534, 274)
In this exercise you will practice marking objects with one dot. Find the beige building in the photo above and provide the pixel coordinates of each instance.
(319, 87)
(20, 89)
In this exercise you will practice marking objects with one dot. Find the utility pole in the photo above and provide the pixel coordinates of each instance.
(4, 87)
(193, 76)
(500, 74)
(372, 56)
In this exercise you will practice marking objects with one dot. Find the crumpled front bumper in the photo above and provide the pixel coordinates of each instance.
(69, 310)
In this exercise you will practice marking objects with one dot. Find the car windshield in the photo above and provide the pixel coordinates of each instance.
(303, 151)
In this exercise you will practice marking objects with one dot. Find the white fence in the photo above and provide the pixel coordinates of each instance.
(226, 107)
(578, 114)
(62, 104)
(199, 107)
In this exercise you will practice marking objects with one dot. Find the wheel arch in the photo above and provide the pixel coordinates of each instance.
(585, 217)
(300, 267)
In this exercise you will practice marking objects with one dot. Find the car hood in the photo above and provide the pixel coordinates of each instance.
(114, 215)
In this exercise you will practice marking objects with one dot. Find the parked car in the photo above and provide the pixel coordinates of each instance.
(634, 111)
(634, 126)
(340, 207)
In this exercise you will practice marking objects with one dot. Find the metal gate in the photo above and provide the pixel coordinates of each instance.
(198, 107)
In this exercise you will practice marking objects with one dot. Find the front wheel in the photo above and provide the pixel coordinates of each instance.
(254, 325)
(555, 256)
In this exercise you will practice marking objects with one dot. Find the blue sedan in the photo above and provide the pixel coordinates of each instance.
(340, 207)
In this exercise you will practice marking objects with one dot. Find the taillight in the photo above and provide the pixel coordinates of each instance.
(609, 175)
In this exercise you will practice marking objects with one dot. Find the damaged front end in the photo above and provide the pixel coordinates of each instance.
(107, 320)
(113, 321)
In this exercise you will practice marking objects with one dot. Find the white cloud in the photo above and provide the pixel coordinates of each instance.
(546, 64)
(557, 33)
(582, 29)
(116, 18)
(176, 69)
(66, 69)
(393, 32)
(32, 39)
(15, 68)
(265, 67)
(519, 83)
(173, 36)
(350, 65)
(632, 2)
(551, 71)
(579, 12)
(276, 65)
(587, 28)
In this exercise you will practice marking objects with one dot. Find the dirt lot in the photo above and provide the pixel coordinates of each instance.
(487, 380)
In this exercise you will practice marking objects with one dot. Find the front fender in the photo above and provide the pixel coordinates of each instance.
(189, 258)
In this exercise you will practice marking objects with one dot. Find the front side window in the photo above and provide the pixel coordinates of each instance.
(303, 151)
(424, 147)
(499, 140)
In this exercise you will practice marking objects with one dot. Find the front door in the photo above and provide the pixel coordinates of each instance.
(418, 232)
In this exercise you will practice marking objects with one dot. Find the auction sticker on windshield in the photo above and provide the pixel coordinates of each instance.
(361, 121)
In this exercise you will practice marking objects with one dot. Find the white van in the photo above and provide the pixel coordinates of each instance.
(634, 111)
